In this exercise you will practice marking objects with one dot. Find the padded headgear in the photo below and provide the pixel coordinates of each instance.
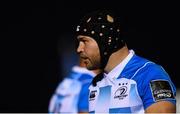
(105, 28)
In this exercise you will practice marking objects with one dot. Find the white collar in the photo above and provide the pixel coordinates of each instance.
(83, 70)
(114, 73)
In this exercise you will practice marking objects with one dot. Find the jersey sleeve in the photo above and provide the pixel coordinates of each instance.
(155, 85)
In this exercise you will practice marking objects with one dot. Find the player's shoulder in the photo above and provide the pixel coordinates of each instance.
(83, 72)
(138, 67)
(150, 68)
(135, 64)
(149, 71)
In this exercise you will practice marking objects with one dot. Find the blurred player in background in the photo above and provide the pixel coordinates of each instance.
(71, 95)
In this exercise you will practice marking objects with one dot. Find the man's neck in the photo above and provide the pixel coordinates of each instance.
(116, 58)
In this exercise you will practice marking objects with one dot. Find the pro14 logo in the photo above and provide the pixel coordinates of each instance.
(121, 93)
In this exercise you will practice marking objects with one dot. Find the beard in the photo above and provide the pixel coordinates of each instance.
(91, 63)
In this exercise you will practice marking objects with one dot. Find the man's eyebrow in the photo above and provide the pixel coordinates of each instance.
(80, 38)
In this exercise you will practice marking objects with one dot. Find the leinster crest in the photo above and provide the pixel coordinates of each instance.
(121, 93)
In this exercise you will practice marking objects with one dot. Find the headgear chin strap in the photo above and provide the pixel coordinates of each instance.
(105, 28)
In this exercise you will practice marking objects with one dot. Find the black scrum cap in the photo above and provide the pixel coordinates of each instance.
(105, 27)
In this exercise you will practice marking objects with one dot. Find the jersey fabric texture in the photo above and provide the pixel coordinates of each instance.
(131, 87)
(71, 95)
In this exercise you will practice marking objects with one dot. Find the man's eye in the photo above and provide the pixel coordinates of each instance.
(84, 41)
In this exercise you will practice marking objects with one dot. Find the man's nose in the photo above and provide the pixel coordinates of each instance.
(80, 48)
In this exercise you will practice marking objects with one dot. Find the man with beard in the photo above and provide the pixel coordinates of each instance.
(128, 83)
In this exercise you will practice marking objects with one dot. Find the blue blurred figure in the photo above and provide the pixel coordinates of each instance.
(71, 95)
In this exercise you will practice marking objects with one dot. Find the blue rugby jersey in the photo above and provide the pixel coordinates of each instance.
(71, 95)
(131, 87)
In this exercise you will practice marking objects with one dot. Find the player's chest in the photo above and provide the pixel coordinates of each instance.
(113, 95)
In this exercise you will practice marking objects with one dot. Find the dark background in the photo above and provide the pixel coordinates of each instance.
(35, 34)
